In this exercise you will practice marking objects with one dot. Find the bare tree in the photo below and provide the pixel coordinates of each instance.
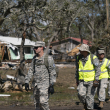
(107, 14)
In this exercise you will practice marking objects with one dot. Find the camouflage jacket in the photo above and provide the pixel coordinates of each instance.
(41, 75)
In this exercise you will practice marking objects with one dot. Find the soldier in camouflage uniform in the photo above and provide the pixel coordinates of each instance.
(87, 70)
(103, 78)
(43, 77)
(109, 87)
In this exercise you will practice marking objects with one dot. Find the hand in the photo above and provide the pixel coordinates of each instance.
(26, 86)
(52, 84)
(95, 83)
(51, 89)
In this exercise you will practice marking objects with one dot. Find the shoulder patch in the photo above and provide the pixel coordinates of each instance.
(96, 64)
(53, 65)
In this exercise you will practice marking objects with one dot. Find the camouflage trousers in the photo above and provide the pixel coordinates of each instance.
(21, 79)
(41, 98)
(109, 87)
(86, 93)
(101, 90)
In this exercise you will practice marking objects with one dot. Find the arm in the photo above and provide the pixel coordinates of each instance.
(77, 75)
(108, 67)
(97, 68)
(30, 72)
(52, 72)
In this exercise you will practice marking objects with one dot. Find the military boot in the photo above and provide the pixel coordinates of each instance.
(101, 104)
(37, 108)
(108, 101)
(85, 107)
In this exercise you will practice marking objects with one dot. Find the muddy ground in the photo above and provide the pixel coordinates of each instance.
(63, 98)
(74, 107)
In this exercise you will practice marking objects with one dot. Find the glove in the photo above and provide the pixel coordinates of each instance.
(51, 89)
(26, 86)
(96, 83)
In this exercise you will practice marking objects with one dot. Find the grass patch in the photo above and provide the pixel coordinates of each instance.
(62, 96)
(21, 98)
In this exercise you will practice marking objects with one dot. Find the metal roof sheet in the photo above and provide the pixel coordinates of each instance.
(16, 41)
(75, 39)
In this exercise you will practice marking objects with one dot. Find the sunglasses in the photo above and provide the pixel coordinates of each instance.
(36, 48)
(102, 54)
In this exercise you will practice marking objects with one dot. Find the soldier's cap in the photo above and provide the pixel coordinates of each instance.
(101, 52)
(84, 47)
(39, 44)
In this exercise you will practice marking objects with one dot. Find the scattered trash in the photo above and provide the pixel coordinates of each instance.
(10, 77)
(65, 65)
(71, 88)
(2, 95)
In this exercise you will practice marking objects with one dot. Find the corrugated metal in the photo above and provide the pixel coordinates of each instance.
(16, 41)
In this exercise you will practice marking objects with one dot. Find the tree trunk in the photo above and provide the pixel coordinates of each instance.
(22, 69)
(107, 13)
(80, 34)
(37, 35)
(22, 58)
(47, 48)
(92, 34)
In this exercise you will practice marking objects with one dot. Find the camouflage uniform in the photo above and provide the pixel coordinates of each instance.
(103, 81)
(109, 87)
(86, 91)
(101, 89)
(109, 83)
(42, 78)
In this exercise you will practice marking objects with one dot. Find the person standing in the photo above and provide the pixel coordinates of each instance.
(87, 72)
(43, 76)
(103, 78)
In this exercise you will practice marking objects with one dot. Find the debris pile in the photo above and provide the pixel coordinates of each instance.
(10, 80)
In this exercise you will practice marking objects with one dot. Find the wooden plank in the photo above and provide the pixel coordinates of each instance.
(9, 56)
(0, 53)
(3, 51)
(74, 51)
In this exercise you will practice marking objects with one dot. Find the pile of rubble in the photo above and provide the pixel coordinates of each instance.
(11, 83)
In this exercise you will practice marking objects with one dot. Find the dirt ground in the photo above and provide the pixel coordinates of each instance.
(62, 99)
(75, 107)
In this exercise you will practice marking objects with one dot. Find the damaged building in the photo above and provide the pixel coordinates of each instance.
(10, 60)
(65, 49)
(10, 48)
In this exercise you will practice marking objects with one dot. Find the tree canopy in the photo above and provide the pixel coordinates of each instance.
(56, 19)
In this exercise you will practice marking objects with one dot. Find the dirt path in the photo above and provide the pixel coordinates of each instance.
(75, 107)
(32, 108)
(63, 99)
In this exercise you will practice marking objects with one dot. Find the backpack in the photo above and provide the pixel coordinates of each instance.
(47, 64)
